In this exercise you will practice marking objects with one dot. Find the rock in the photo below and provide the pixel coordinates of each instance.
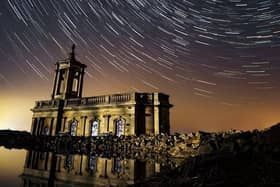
(190, 135)
(272, 134)
(205, 149)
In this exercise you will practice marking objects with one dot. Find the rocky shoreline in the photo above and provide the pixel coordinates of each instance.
(177, 145)
(245, 159)
(232, 158)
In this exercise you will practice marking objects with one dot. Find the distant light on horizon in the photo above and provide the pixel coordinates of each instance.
(15, 114)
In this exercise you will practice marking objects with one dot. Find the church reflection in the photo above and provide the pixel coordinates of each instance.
(49, 169)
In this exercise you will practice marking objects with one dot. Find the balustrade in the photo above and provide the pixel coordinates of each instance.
(120, 98)
(98, 100)
(46, 104)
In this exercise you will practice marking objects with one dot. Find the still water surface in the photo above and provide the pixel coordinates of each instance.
(11, 166)
(31, 168)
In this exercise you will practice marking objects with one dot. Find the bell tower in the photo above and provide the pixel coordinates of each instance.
(69, 77)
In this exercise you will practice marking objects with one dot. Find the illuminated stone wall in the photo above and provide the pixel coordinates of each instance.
(137, 113)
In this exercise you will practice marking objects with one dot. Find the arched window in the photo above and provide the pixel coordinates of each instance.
(68, 164)
(117, 165)
(119, 127)
(94, 128)
(75, 82)
(61, 81)
(92, 164)
(46, 131)
(73, 127)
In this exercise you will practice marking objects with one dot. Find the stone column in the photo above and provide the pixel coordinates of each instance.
(105, 169)
(81, 79)
(64, 121)
(156, 114)
(33, 126)
(55, 82)
(67, 86)
(131, 126)
(108, 123)
(81, 165)
(85, 125)
(50, 155)
(31, 157)
(54, 126)
(51, 126)
(38, 123)
(156, 120)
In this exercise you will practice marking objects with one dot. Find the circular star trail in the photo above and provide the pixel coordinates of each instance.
(222, 51)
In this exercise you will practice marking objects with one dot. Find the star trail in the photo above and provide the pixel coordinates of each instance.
(214, 54)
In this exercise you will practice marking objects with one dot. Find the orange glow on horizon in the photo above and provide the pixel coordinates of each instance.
(186, 115)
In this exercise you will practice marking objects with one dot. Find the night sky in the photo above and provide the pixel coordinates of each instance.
(219, 60)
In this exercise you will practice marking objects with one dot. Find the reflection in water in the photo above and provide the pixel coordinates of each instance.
(49, 169)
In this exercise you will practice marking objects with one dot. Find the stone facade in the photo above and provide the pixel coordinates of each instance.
(120, 114)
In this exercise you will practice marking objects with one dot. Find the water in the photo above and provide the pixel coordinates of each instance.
(11, 166)
(31, 168)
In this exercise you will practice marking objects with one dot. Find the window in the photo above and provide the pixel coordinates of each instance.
(68, 164)
(75, 82)
(94, 128)
(119, 127)
(73, 128)
(92, 163)
(61, 81)
(117, 165)
(46, 131)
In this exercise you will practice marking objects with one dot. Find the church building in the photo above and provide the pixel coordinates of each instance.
(67, 112)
